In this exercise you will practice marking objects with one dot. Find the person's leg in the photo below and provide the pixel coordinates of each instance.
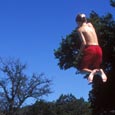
(90, 72)
(86, 70)
(97, 63)
(101, 73)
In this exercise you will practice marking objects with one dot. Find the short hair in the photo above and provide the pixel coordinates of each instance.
(81, 18)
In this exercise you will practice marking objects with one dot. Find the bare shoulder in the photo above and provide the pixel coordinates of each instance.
(79, 30)
(89, 24)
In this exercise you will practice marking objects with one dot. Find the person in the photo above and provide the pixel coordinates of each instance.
(92, 52)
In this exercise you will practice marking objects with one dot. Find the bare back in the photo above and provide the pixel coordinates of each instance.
(88, 34)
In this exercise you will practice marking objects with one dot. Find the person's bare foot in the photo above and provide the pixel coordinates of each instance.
(103, 76)
(91, 75)
(101, 73)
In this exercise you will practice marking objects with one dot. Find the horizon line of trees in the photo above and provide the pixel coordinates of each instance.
(64, 105)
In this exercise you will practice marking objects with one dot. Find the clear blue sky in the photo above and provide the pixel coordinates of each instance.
(32, 29)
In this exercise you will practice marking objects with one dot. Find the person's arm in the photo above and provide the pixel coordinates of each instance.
(83, 43)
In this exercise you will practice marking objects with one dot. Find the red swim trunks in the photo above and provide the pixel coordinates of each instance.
(92, 57)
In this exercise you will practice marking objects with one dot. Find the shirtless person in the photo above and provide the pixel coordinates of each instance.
(92, 52)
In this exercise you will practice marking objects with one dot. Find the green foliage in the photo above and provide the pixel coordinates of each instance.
(42, 108)
(112, 3)
(65, 105)
(69, 105)
(102, 94)
(68, 51)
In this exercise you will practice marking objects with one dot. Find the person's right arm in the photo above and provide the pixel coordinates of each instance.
(83, 42)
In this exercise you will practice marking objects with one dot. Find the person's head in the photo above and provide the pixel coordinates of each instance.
(81, 18)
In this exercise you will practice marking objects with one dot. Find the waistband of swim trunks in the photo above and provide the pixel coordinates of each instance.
(91, 45)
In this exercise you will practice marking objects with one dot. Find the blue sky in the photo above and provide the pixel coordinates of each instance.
(32, 29)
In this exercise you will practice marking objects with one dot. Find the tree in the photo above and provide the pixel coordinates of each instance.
(112, 3)
(43, 107)
(68, 51)
(16, 86)
(65, 105)
(70, 105)
(102, 95)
